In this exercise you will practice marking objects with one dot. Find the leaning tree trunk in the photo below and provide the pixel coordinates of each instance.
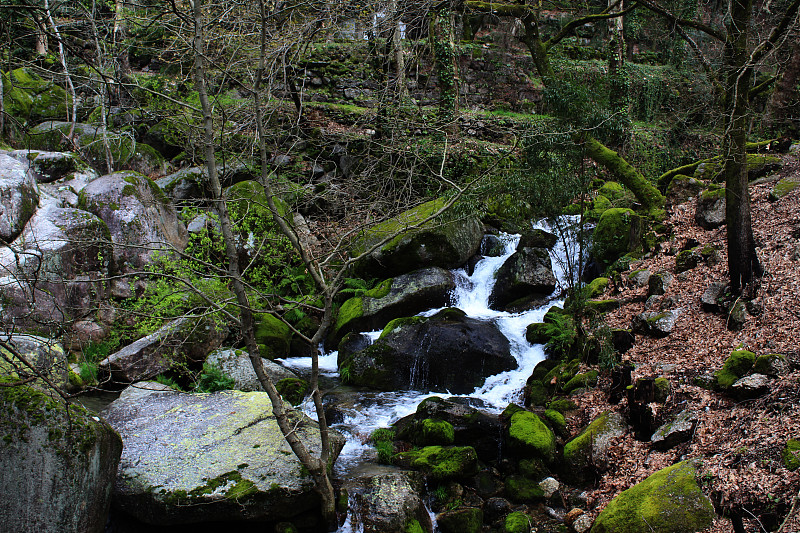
(743, 264)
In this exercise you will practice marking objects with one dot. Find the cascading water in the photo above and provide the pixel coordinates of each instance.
(365, 411)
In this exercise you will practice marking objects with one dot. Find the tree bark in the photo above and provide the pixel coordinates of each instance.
(780, 105)
(743, 264)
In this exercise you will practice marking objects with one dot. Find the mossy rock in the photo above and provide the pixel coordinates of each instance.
(600, 205)
(612, 190)
(617, 232)
(293, 390)
(29, 98)
(586, 454)
(273, 337)
(772, 364)
(668, 501)
(517, 522)
(596, 287)
(737, 365)
(536, 392)
(443, 243)
(599, 307)
(441, 463)
(521, 489)
(557, 421)
(791, 455)
(533, 468)
(783, 188)
(587, 379)
(537, 333)
(466, 520)
(662, 390)
(529, 435)
(429, 432)
(562, 405)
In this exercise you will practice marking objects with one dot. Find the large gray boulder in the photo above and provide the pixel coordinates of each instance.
(446, 352)
(19, 197)
(91, 141)
(32, 355)
(236, 365)
(405, 295)
(191, 458)
(141, 219)
(528, 273)
(57, 464)
(445, 243)
(388, 501)
(184, 340)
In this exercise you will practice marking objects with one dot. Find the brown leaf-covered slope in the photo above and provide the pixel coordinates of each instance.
(739, 443)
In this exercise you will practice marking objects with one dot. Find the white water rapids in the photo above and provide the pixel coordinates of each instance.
(366, 411)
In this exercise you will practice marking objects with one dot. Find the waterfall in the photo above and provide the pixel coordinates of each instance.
(365, 411)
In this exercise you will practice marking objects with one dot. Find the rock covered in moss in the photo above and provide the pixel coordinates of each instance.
(773, 364)
(584, 380)
(184, 340)
(522, 489)
(447, 244)
(46, 356)
(668, 501)
(429, 431)
(681, 189)
(596, 287)
(49, 166)
(292, 390)
(440, 463)
(58, 464)
(517, 522)
(142, 221)
(273, 336)
(618, 232)
(389, 502)
(405, 295)
(710, 211)
(464, 520)
(448, 351)
(29, 98)
(528, 273)
(587, 454)
(528, 434)
(791, 454)
(783, 188)
(210, 457)
(471, 427)
(19, 196)
(737, 365)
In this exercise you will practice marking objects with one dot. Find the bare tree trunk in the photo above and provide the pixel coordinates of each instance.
(103, 93)
(41, 43)
(616, 60)
(120, 34)
(743, 264)
(779, 111)
(397, 44)
(62, 57)
(318, 467)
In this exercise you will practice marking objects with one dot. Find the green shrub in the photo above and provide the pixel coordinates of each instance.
(212, 379)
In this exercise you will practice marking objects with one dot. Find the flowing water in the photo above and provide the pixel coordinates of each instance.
(366, 411)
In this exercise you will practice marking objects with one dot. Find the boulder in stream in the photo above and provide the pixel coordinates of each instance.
(388, 501)
(191, 458)
(527, 274)
(446, 352)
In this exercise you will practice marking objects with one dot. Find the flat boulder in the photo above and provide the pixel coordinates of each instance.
(446, 352)
(49, 166)
(141, 219)
(405, 295)
(19, 197)
(668, 501)
(443, 242)
(191, 458)
(184, 340)
(58, 464)
(710, 211)
(527, 273)
(679, 430)
(655, 323)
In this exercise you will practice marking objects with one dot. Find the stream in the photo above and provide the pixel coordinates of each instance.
(364, 410)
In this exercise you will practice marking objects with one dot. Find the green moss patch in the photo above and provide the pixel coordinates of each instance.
(529, 434)
(517, 522)
(441, 463)
(791, 454)
(736, 366)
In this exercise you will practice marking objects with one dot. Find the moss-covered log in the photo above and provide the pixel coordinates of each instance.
(650, 198)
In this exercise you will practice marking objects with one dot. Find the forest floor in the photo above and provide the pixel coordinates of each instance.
(739, 442)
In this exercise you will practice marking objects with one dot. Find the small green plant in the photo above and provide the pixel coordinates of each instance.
(562, 334)
(382, 439)
(212, 379)
(344, 373)
(168, 381)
